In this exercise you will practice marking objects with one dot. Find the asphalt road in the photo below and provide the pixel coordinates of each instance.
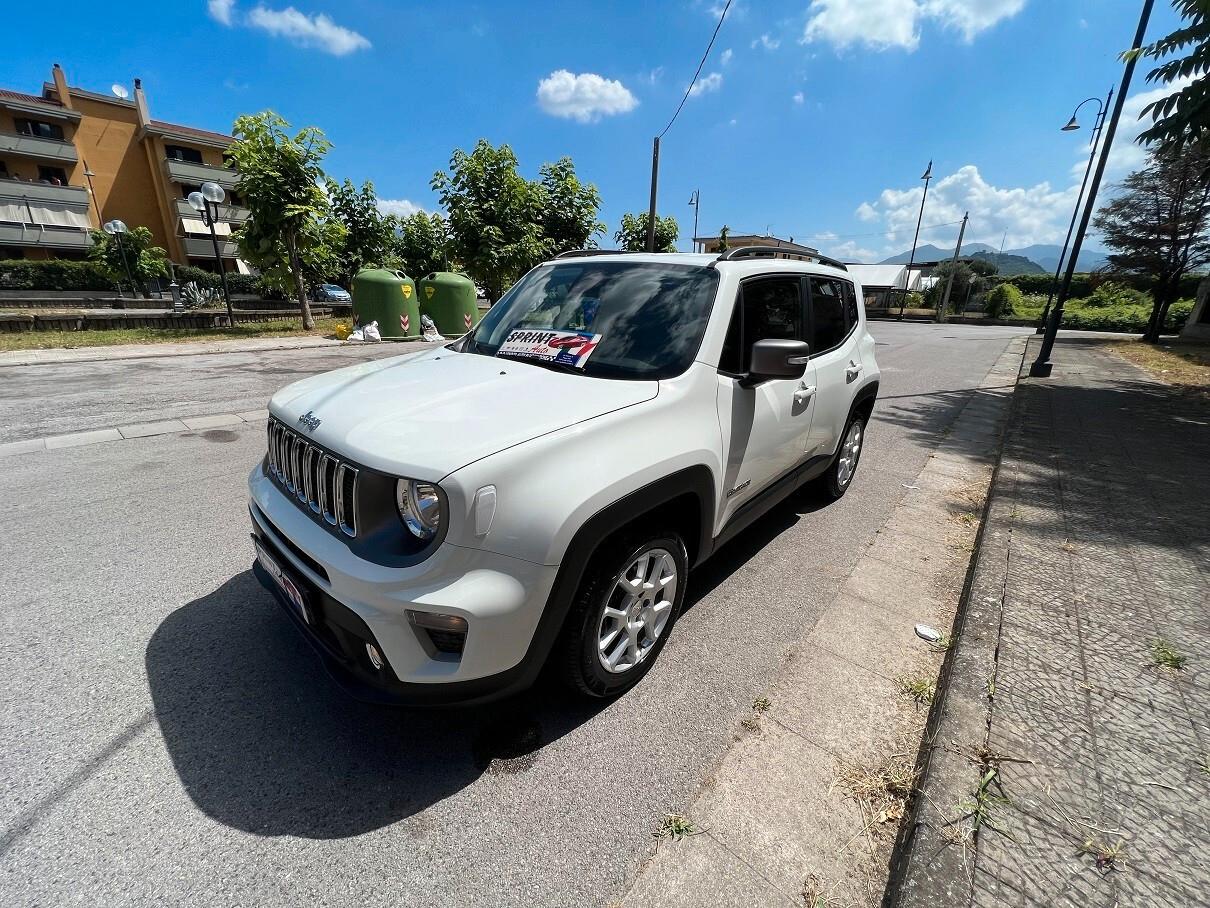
(167, 738)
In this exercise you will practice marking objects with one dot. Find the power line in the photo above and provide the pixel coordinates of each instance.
(693, 81)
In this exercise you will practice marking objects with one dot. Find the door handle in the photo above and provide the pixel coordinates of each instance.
(804, 392)
(853, 371)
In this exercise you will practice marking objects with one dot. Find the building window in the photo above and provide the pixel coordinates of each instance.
(181, 153)
(39, 129)
(4, 171)
(54, 175)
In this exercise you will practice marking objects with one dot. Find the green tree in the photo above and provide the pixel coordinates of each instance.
(970, 277)
(723, 243)
(495, 216)
(290, 234)
(368, 233)
(569, 208)
(421, 244)
(1159, 225)
(632, 233)
(1182, 118)
(145, 260)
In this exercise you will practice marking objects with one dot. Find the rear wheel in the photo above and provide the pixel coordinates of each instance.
(839, 476)
(624, 610)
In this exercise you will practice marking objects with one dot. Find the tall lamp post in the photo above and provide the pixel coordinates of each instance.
(696, 202)
(1072, 125)
(115, 229)
(1041, 367)
(213, 194)
(907, 277)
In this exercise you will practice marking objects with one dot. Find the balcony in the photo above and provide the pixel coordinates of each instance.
(231, 213)
(196, 174)
(37, 147)
(35, 235)
(201, 247)
(71, 196)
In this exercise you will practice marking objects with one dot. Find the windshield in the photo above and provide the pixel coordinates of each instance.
(634, 320)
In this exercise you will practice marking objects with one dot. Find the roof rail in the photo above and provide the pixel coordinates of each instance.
(756, 252)
(577, 253)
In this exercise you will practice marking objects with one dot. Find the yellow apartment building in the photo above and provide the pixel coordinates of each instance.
(71, 159)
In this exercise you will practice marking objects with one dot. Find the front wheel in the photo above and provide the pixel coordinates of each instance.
(625, 608)
(839, 476)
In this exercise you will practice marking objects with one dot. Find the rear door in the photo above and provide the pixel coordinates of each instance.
(765, 427)
(836, 357)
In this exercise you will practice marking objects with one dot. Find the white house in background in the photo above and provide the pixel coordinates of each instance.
(884, 283)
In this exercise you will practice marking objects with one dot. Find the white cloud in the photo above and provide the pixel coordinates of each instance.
(883, 24)
(706, 84)
(1032, 214)
(221, 10)
(799, 97)
(400, 207)
(585, 97)
(317, 31)
(767, 42)
(654, 76)
(851, 251)
(726, 56)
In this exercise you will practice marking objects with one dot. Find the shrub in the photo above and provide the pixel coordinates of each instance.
(1178, 314)
(1112, 293)
(55, 274)
(1003, 301)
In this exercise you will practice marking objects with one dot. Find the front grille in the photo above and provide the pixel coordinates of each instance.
(325, 485)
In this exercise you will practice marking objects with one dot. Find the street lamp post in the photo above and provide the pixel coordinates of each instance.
(213, 194)
(1041, 366)
(115, 229)
(1072, 125)
(907, 277)
(696, 202)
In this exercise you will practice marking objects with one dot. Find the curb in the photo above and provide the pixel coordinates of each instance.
(930, 866)
(155, 351)
(125, 433)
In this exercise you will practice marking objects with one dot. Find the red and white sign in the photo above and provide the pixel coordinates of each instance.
(403, 322)
(570, 347)
(467, 320)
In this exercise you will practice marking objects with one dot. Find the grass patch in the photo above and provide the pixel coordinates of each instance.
(921, 690)
(1166, 655)
(108, 337)
(761, 704)
(1184, 363)
(816, 895)
(675, 827)
(881, 791)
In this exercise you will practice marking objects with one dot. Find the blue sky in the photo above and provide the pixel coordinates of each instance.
(814, 119)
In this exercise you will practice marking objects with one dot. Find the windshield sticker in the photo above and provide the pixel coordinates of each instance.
(571, 348)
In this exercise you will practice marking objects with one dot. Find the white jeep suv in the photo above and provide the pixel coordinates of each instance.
(443, 524)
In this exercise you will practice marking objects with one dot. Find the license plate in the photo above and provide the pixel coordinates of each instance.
(282, 579)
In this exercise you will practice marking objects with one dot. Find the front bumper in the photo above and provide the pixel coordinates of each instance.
(355, 602)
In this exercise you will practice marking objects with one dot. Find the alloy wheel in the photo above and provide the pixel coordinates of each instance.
(850, 451)
(637, 610)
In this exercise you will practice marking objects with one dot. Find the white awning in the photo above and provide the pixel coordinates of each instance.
(197, 225)
(58, 216)
(14, 212)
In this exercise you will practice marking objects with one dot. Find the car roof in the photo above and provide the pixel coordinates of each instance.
(740, 266)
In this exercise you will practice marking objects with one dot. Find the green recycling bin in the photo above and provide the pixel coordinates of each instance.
(389, 298)
(448, 298)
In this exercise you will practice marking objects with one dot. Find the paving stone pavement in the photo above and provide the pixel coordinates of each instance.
(1093, 758)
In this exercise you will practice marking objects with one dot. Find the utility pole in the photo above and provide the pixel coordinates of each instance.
(1042, 366)
(949, 284)
(907, 279)
(655, 176)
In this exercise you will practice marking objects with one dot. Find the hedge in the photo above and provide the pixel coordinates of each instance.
(1003, 301)
(55, 274)
(1083, 284)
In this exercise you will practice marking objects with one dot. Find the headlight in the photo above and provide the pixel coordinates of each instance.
(419, 506)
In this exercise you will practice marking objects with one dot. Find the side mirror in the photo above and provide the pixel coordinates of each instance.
(778, 359)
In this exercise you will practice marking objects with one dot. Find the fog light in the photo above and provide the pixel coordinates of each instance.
(376, 659)
(446, 632)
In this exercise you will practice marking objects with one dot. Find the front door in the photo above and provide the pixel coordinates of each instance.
(765, 427)
(837, 361)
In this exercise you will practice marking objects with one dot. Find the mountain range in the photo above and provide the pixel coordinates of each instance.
(1044, 256)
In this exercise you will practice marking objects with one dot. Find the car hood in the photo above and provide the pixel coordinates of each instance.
(427, 414)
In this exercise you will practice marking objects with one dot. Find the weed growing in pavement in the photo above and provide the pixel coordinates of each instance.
(752, 723)
(1204, 766)
(1166, 656)
(675, 827)
(1108, 857)
(921, 690)
(761, 704)
(881, 791)
(815, 895)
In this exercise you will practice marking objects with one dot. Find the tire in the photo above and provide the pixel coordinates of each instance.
(604, 587)
(839, 476)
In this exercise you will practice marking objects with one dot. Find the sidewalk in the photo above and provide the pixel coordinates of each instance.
(1069, 762)
(148, 351)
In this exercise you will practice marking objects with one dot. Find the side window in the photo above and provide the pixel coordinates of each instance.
(181, 153)
(827, 313)
(850, 304)
(769, 308)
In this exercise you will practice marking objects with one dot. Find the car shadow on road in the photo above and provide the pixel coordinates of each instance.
(264, 741)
